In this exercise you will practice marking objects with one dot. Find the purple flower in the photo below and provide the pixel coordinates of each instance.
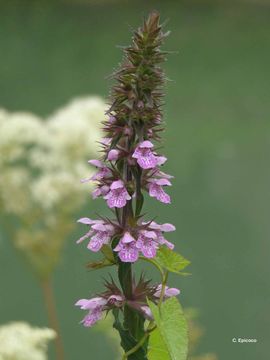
(100, 191)
(159, 229)
(100, 233)
(162, 174)
(106, 141)
(169, 292)
(147, 312)
(161, 160)
(112, 119)
(147, 243)
(156, 190)
(95, 307)
(144, 155)
(118, 195)
(126, 248)
(102, 173)
(113, 155)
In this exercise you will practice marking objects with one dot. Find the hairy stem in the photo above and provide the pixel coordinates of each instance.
(49, 300)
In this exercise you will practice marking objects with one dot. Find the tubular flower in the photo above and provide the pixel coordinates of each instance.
(118, 195)
(97, 306)
(144, 155)
(156, 190)
(127, 249)
(100, 233)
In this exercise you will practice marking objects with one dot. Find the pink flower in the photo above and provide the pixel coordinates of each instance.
(159, 229)
(96, 306)
(100, 191)
(161, 160)
(106, 141)
(103, 171)
(126, 248)
(100, 233)
(156, 190)
(118, 195)
(144, 155)
(113, 155)
(147, 243)
(162, 174)
(112, 119)
(169, 292)
(145, 309)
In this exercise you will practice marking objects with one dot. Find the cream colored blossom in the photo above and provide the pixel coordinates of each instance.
(18, 131)
(20, 341)
(41, 164)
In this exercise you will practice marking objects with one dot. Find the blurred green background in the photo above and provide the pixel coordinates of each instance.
(217, 141)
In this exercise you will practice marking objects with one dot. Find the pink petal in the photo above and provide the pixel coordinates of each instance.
(95, 244)
(113, 155)
(147, 312)
(167, 227)
(146, 144)
(87, 304)
(111, 119)
(149, 250)
(106, 141)
(86, 236)
(129, 254)
(92, 317)
(162, 182)
(149, 234)
(85, 220)
(161, 160)
(168, 244)
(172, 292)
(117, 185)
(96, 163)
(99, 227)
(157, 192)
(147, 162)
(96, 193)
(127, 238)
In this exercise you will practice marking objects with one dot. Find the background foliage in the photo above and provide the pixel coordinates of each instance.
(217, 140)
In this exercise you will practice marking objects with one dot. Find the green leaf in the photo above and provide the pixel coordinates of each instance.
(170, 340)
(157, 349)
(171, 260)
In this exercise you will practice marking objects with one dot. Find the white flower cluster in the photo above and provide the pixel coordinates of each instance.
(41, 163)
(43, 159)
(20, 341)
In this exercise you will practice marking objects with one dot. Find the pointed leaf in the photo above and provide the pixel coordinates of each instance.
(172, 338)
(171, 260)
(157, 349)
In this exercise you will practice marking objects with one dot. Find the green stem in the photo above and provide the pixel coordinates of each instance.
(155, 264)
(164, 281)
(151, 327)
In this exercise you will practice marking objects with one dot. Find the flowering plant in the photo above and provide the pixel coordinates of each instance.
(148, 317)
